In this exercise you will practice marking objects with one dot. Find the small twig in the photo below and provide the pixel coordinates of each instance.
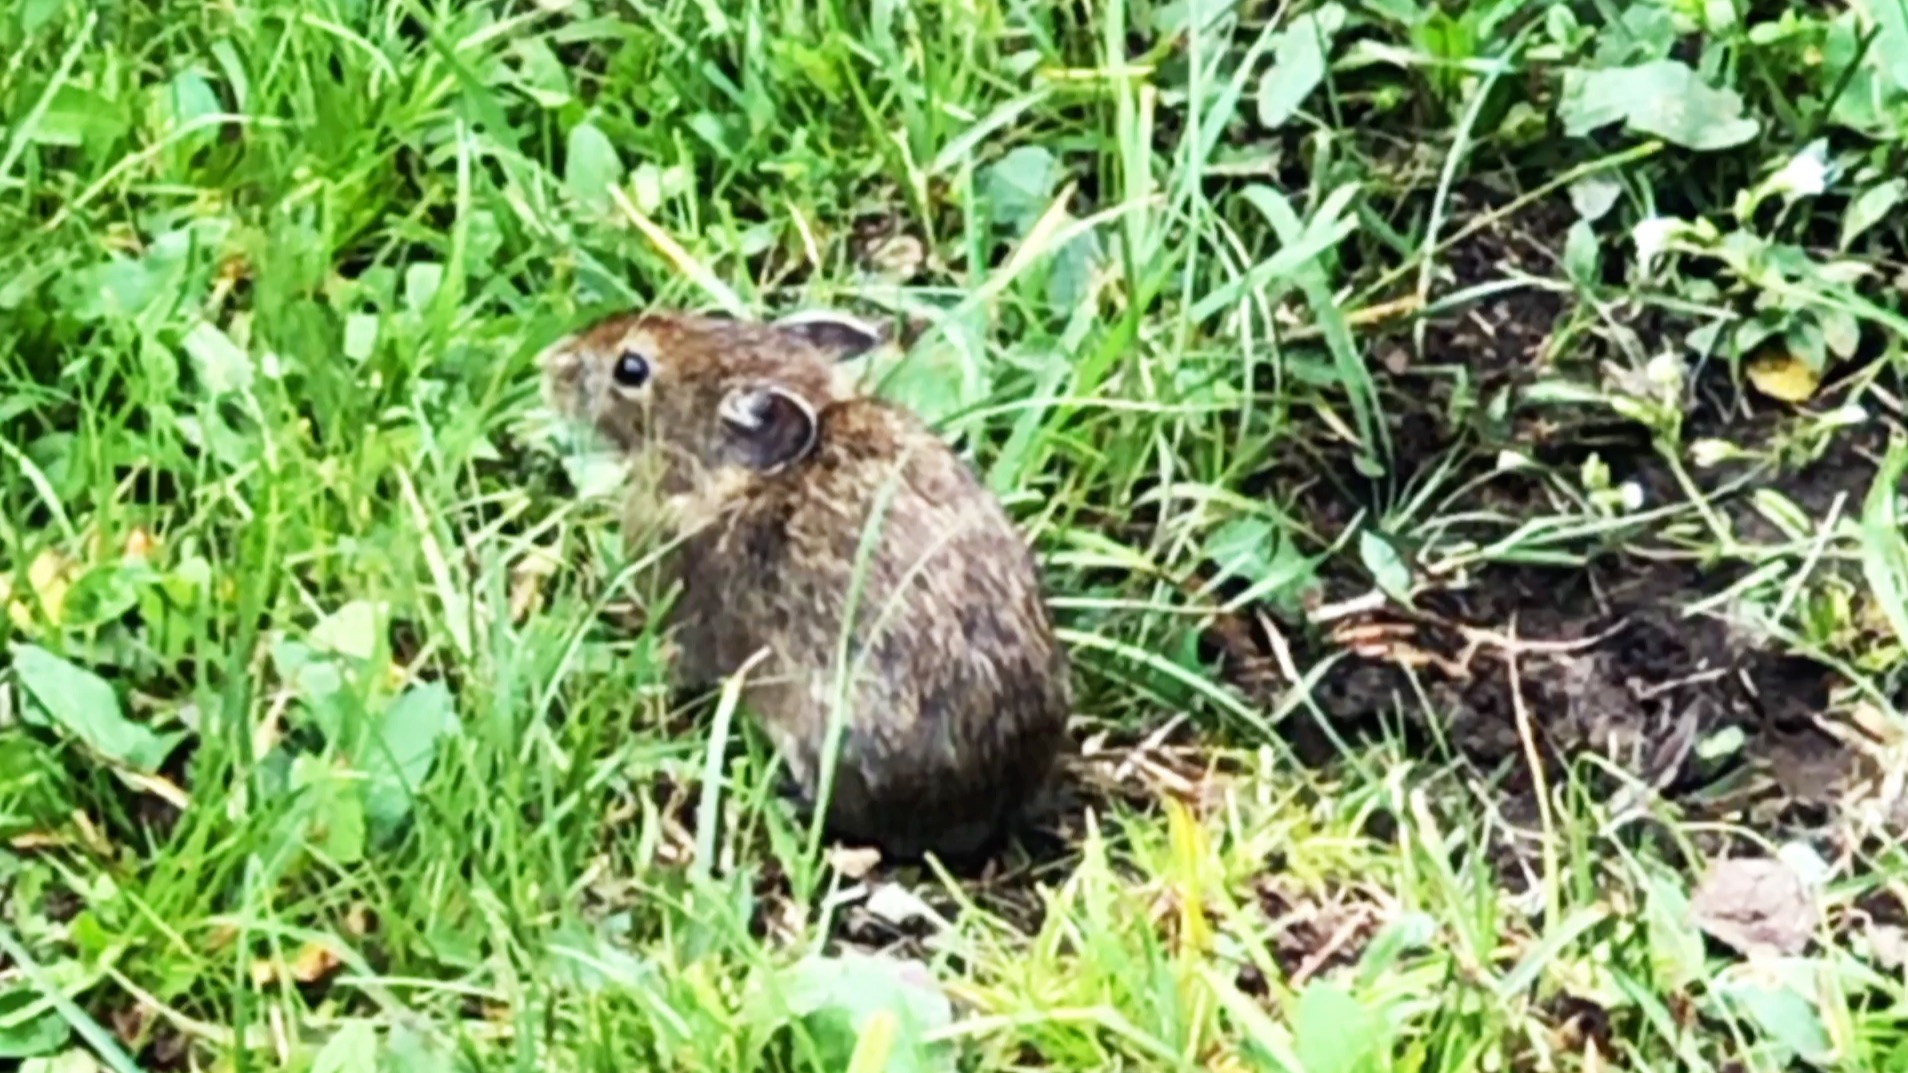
(1651, 692)
(1325, 951)
(1477, 638)
(1526, 734)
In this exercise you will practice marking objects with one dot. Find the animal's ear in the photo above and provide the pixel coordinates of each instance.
(840, 336)
(768, 427)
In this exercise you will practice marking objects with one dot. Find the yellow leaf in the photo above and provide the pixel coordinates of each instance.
(310, 963)
(48, 579)
(140, 545)
(161, 787)
(875, 1043)
(1190, 851)
(1784, 377)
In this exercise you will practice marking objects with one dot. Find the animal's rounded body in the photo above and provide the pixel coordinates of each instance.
(842, 553)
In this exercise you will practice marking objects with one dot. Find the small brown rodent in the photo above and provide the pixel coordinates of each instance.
(766, 468)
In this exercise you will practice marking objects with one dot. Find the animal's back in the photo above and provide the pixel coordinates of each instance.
(961, 691)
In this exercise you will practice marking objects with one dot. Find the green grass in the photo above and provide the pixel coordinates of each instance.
(328, 738)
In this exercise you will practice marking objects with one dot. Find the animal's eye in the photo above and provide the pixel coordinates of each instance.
(632, 369)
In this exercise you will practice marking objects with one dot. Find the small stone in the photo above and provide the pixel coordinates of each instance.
(1756, 905)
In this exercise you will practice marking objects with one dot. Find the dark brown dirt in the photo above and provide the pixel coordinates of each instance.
(1603, 656)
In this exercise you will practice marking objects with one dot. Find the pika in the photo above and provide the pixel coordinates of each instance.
(834, 539)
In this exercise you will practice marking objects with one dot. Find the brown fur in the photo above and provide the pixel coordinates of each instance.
(960, 691)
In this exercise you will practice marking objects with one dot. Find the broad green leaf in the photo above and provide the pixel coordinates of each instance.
(189, 98)
(409, 1050)
(120, 287)
(1387, 567)
(839, 998)
(1593, 196)
(1890, 49)
(1298, 64)
(76, 1060)
(591, 167)
(337, 812)
(351, 1049)
(541, 73)
(1582, 254)
(421, 281)
(935, 379)
(223, 368)
(1871, 207)
(1786, 1016)
(41, 1034)
(360, 336)
(1643, 32)
(1256, 550)
(402, 748)
(81, 703)
(37, 13)
(78, 115)
(1675, 946)
(1664, 98)
(352, 630)
(1884, 548)
(1334, 1032)
(1020, 185)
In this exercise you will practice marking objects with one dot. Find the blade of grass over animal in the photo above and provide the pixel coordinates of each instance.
(846, 673)
(709, 803)
(1884, 546)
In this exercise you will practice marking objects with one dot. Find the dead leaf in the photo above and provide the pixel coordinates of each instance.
(139, 545)
(526, 583)
(90, 834)
(853, 862)
(310, 963)
(160, 787)
(1192, 859)
(48, 578)
(1784, 377)
(898, 257)
(1756, 904)
(1226, 1062)
(1888, 946)
(895, 904)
